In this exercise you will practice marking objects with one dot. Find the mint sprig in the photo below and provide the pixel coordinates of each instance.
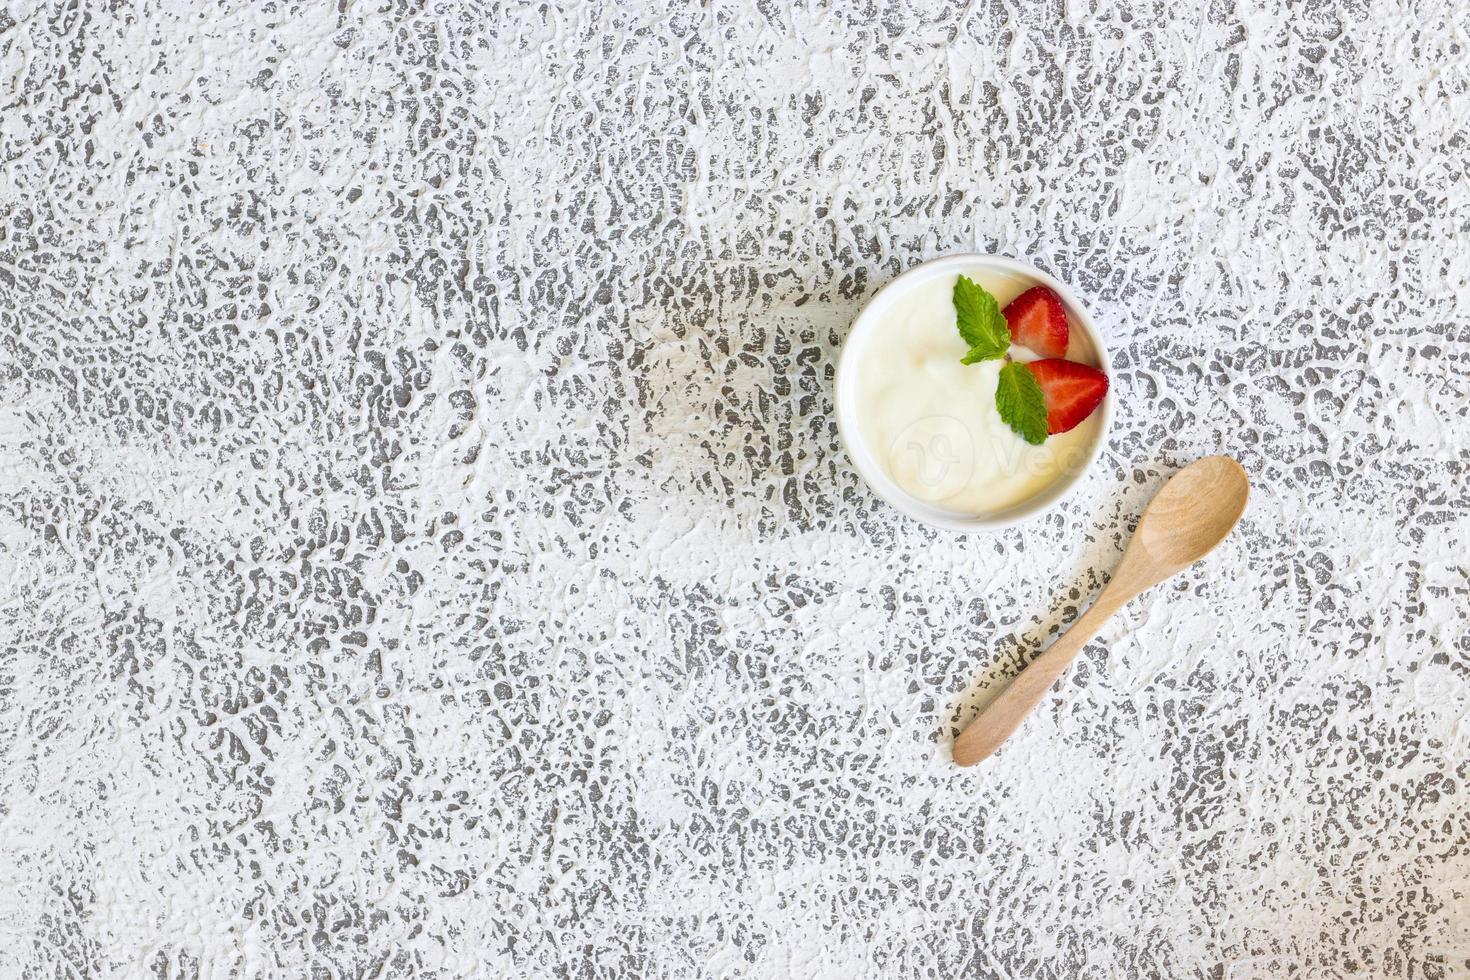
(981, 325)
(1018, 397)
(1020, 402)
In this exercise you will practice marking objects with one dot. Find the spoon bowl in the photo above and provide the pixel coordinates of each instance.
(1191, 514)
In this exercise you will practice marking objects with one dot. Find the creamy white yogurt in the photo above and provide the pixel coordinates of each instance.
(931, 422)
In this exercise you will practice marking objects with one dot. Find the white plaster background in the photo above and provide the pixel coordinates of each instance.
(426, 549)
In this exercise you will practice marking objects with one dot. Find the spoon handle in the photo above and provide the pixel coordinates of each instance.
(1004, 715)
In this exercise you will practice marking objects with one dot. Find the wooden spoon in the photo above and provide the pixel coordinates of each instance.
(1191, 514)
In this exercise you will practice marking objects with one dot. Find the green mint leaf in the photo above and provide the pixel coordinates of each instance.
(1021, 404)
(981, 325)
(986, 351)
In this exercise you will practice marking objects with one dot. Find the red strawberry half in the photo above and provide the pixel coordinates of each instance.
(1072, 391)
(1038, 321)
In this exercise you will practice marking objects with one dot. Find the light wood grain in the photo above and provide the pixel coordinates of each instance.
(1188, 517)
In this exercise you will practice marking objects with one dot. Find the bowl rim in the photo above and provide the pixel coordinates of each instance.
(867, 465)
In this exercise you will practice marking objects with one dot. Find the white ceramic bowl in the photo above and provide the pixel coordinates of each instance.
(871, 319)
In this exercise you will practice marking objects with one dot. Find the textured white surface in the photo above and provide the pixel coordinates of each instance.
(426, 549)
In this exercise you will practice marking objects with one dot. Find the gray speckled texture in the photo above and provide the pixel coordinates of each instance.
(426, 550)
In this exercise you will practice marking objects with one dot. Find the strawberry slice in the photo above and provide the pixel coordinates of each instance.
(1072, 391)
(1038, 321)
